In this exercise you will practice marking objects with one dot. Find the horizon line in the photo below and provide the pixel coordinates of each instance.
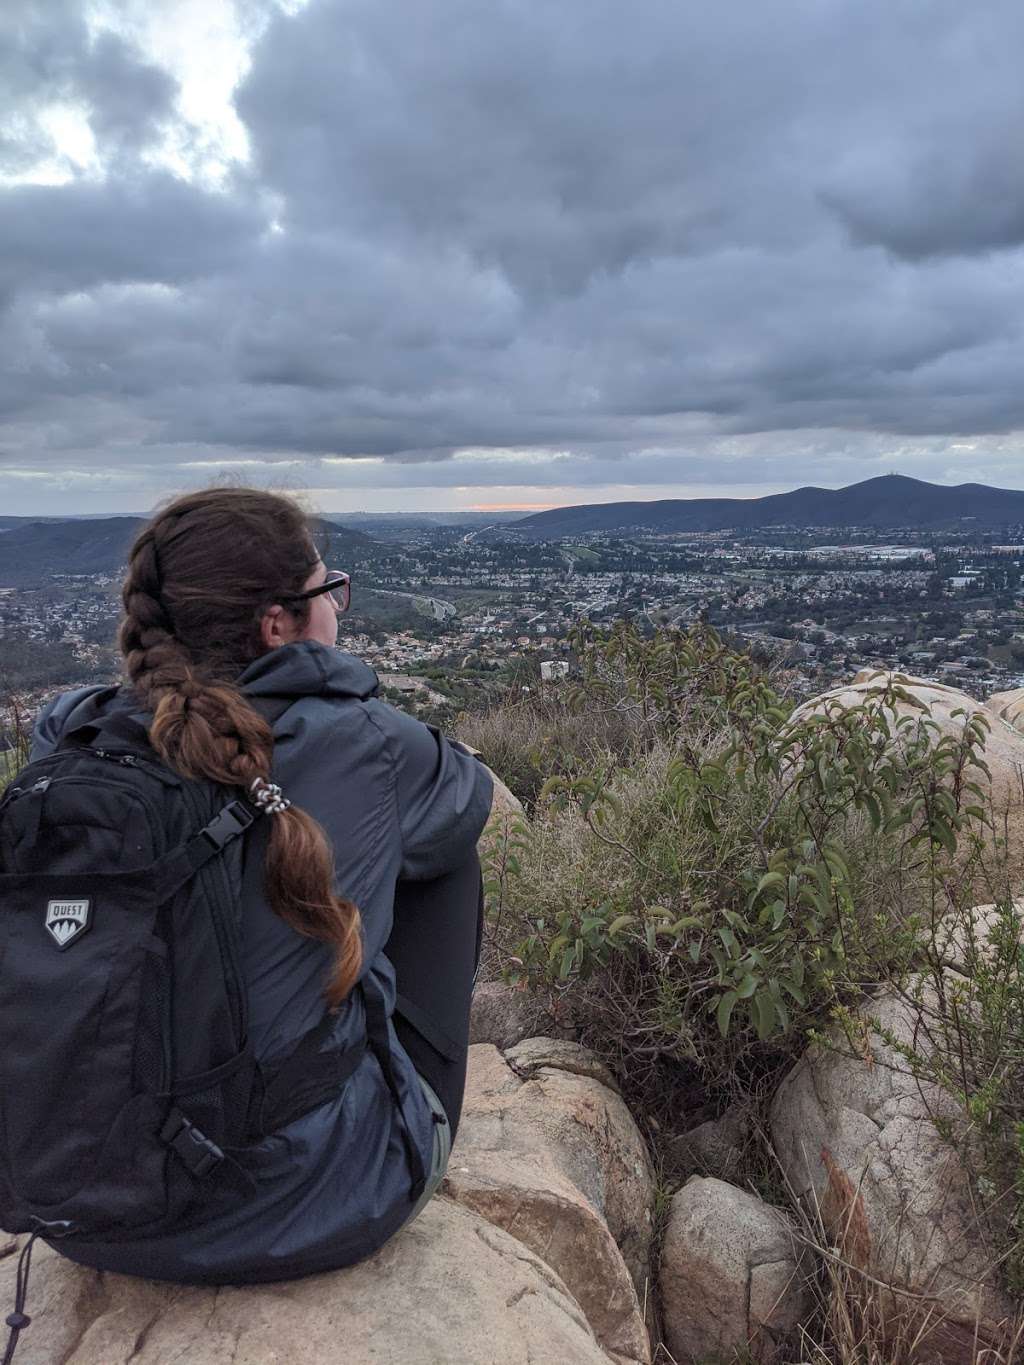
(529, 508)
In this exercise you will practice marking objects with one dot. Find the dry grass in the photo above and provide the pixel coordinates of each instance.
(18, 731)
(541, 735)
(859, 1320)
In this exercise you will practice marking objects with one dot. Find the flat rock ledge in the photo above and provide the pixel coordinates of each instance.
(532, 1255)
(450, 1287)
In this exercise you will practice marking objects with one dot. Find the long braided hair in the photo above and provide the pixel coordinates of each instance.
(201, 575)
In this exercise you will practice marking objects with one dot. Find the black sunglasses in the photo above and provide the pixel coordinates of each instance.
(337, 583)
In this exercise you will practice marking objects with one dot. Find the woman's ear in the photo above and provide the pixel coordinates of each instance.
(277, 628)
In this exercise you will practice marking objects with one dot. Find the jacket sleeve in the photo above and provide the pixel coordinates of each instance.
(443, 794)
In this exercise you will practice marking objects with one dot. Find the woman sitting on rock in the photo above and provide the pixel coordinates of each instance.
(360, 896)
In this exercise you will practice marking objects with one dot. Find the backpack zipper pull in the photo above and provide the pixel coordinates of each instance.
(19, 1319)
(123, 760)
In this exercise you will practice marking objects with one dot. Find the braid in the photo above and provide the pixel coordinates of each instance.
(204, 728)
(201, 729)
(154, 659)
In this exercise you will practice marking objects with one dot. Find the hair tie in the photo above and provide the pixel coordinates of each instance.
(268, 796)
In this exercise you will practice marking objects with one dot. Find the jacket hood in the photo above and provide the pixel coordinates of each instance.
(308, 669)
(283, 675)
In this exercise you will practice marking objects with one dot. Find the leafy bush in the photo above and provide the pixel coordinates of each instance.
(713, 878)
(706, 882)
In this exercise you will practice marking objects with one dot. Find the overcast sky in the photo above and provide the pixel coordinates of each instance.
(446, 253)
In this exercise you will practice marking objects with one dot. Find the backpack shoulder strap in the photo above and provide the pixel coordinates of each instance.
(119, 726)
(106, 714)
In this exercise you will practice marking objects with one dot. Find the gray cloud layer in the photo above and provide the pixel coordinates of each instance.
(638, 235)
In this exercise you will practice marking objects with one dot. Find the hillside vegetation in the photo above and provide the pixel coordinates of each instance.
(703, 886)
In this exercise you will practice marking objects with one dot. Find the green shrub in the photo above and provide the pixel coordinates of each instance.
(711, 879)
(706, 882)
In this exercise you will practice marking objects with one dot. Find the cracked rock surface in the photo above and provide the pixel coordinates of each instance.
(450, 1287)
(856, 1138)
(528, 1057)
(730, 1276)
(550, 1153)
(715, 1147)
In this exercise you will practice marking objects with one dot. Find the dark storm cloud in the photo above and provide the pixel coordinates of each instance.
(551, 141)
(153, 228)
(584, 227)
(934, 163)
(128, 99)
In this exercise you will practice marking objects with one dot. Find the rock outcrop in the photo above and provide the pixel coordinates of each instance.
(1008, 707)
(533, 1255)
(730, 1275)
(716, 1147)
(963, 939)
(531, 1055)
(557, 1160)
(857, 1139)
(505, 805)
(504, 802)
(450, 1287)
(1004, 744)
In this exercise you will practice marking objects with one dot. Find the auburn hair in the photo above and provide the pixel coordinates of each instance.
(201, 575)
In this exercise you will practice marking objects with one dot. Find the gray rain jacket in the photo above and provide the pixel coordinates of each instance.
(397, 801)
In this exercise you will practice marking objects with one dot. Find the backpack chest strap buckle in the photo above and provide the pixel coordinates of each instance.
(227, 824)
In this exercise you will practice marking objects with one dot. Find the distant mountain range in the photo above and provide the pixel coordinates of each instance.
(372, 521)
(32, 551)
(888, 502)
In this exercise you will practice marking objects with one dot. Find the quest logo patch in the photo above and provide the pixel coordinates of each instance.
(67, 921)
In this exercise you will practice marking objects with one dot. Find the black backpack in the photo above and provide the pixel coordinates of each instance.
(127, 1082)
